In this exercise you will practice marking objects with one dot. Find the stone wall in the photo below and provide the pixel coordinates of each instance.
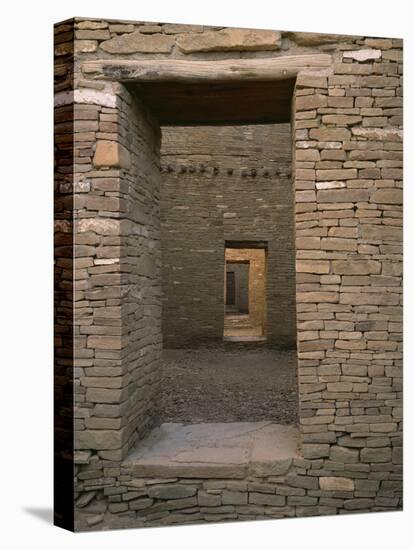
(117, 273)
(347, 173)
(295, 488)
(224, 184)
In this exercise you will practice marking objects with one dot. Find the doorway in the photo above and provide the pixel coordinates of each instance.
(245, 293)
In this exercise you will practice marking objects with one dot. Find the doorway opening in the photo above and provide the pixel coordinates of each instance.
(245, 292)
(226, 240)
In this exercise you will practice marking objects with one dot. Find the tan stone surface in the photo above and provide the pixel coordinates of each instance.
(111, 154)
(336, 484)
(229, 40)
(315, 39)
(367, 54)
(137, 42)
(216, 450)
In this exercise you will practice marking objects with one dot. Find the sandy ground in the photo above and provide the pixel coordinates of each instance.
(229, 385)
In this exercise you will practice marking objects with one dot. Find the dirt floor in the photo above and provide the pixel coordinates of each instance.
(229, 385)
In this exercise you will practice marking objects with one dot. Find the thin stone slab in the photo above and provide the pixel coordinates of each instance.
(215, 450)
(244, 339)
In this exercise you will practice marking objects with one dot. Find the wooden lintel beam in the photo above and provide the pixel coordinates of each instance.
(174, 70)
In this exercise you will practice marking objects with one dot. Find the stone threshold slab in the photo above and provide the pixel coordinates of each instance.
(215, 450)
(244, 339)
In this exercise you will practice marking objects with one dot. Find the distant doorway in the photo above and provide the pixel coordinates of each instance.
(237, 298)
(245, 293)
(230, 298)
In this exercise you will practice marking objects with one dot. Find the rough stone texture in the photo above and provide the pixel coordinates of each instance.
(138, 42)
(348, 321)
(227, 40)
(314, 39)
(362, 55)
(110, 154)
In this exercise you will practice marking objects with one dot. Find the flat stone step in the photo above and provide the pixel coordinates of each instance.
(215, 450)
(244, 339)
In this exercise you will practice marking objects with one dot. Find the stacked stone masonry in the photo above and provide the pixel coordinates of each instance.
(347, 181)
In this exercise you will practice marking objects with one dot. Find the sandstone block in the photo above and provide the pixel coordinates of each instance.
(336, 484)
(337, 387)
(394, 269)
(387, 196)
(312, 450)
(343, 195)
(356, 267)
(359, 504)
(307, 155)
(92, 25)
(310, 79)
(380, 43)
(379, 134)
(92, 34)
(340, 102)
(330, 134)
(116, 507)
(266, 499)
(350, 344)
(314, 39)
(226, 40)
(330, 185)
(381, 233)
(99, 439)
(234, 497)
(338, 174)
(121, 28)
(106, 342)
(94, 423)
(140, 503)
(171, 491)
(302, 482)
(301, 501)
(312, 266)
(307, 243)
(137, 42)
(150, 29)
(305, 174)
(367, 54)
(317, 297)
(207, 499)
(104, 395)
(98, 202)
(363, 298)
(86, 46)
(336, 243)
(111, 154)
(367, 485)
(308, 102)
(101, 226)
(343, 454)
(378, 454)
(101, 381)
(305, 196)
(175, 28)
(341, 120)
(345, 232)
